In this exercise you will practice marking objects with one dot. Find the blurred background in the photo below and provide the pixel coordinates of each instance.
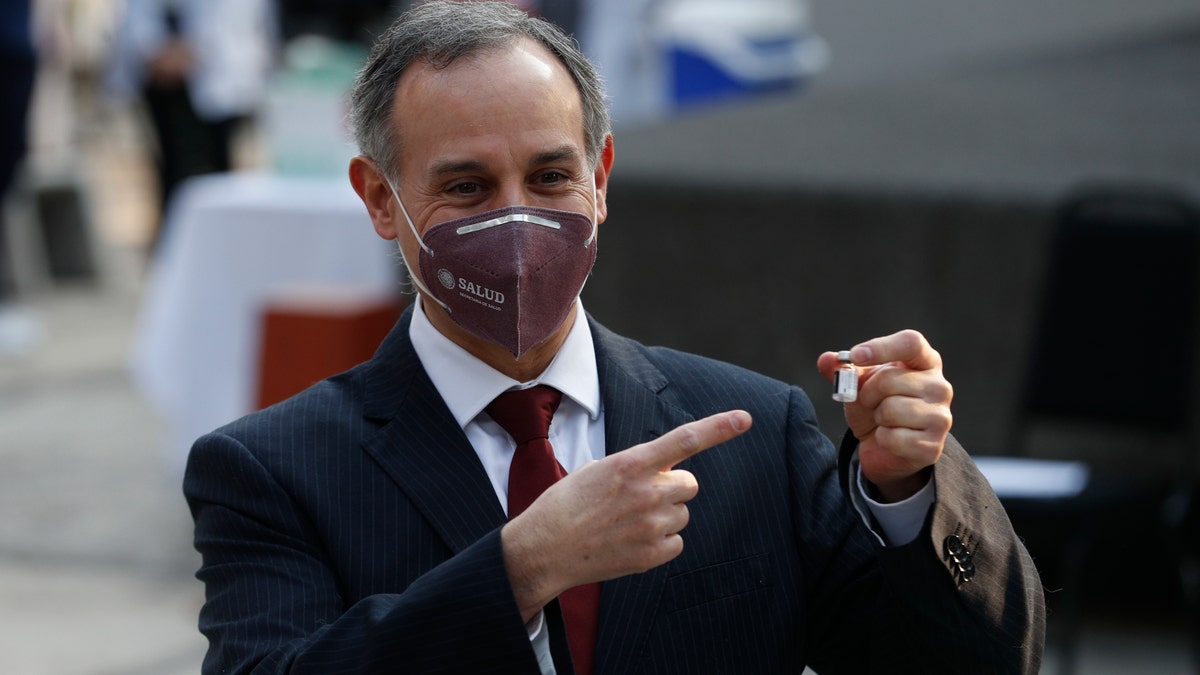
(1018, 180)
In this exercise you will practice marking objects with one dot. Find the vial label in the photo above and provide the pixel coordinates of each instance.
(845, 385)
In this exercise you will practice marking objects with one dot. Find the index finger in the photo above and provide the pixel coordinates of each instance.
(692, 438)
(908, 347)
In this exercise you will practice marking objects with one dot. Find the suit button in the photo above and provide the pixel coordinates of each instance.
(967, 569)
(955, 547)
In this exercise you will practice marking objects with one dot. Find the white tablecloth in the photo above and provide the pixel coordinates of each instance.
(233, 240)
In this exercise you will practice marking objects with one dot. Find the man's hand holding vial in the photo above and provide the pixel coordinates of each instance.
(897, 404)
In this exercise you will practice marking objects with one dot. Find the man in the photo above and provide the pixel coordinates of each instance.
(382, 522)
(19, 329)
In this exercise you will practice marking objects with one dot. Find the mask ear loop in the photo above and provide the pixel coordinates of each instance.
(595, 228)
(408, 220)
(595, 213)
(415, 273)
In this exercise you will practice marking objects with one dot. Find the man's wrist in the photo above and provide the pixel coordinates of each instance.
(899, 522)
(899, 490)
(526, 571)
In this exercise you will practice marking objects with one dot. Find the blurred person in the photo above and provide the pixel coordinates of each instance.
(509, 487)
(201, 68)
(18, 67)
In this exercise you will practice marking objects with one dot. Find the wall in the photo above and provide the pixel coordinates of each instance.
(875, 40)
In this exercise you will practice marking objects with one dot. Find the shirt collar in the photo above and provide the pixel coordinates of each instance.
(468, 385)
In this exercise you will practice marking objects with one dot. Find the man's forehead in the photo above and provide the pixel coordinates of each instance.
(451, 118)
(524, 55)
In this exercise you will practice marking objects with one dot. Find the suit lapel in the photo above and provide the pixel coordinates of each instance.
(634, 412)
(422, 448)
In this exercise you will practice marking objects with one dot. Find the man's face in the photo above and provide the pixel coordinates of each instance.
(500, 128)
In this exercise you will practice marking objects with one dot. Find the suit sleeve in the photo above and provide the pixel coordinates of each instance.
(964, 596)
(273, 602)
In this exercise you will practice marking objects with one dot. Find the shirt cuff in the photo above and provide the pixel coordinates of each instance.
(535, 626)
(901, 521)
(539, 637)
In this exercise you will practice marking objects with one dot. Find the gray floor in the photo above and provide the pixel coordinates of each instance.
(95, 562)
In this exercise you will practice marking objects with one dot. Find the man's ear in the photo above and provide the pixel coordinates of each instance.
(373, 189)
(603, 169)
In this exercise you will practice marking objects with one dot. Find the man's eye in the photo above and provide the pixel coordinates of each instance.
(465, 188)
(552, 177)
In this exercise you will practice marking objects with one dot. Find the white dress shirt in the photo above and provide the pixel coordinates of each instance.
(468, 385)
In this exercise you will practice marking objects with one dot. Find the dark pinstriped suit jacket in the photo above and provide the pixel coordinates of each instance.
(353, 529)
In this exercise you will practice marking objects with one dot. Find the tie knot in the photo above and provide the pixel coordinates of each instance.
(526, 413)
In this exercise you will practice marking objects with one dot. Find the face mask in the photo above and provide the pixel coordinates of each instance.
(508, 276)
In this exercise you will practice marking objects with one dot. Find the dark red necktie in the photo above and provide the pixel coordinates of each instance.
(525, 414)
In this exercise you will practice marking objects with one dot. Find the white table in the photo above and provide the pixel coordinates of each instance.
(1030, 478)
(232, 241)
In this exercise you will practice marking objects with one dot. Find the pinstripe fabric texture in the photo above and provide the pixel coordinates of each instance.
(351, 529)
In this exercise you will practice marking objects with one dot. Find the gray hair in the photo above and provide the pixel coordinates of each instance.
(441, 32)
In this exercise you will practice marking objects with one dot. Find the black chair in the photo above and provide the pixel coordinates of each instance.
(1113, 362)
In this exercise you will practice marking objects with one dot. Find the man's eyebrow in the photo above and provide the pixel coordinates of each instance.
(448, 167)
(564, 152)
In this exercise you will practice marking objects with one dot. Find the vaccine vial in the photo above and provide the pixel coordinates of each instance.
(845, 380)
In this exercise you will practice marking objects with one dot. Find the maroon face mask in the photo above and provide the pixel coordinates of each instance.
(508, 276)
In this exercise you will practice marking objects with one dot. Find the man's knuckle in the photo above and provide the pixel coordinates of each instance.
(688, 439)
(624, 465)
(944, 420)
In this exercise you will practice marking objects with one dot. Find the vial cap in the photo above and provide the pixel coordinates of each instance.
(844, 356)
